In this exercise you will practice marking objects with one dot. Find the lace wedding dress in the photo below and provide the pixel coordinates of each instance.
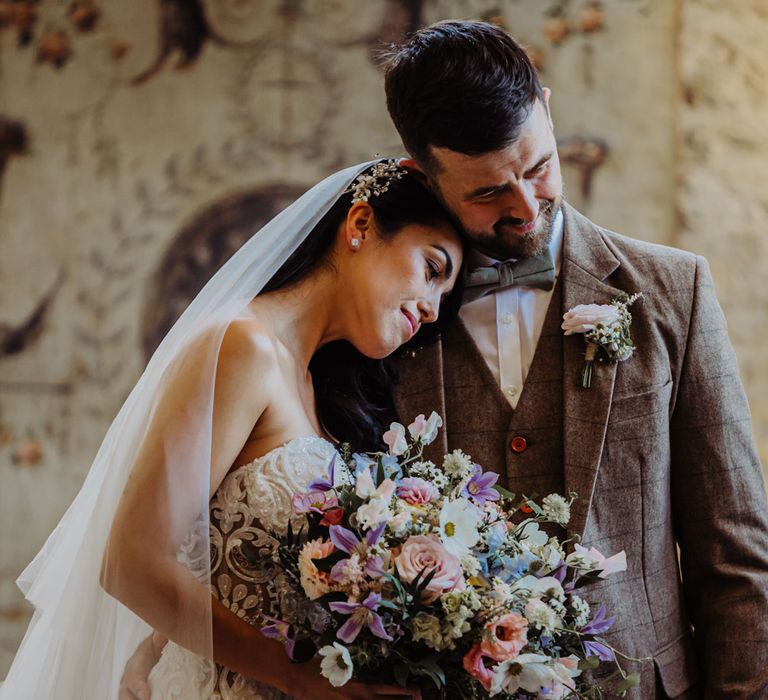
(253, 500)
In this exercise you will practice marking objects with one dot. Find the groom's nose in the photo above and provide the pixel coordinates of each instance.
(521, 204)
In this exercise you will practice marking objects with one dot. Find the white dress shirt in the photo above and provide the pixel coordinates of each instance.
(506, 325)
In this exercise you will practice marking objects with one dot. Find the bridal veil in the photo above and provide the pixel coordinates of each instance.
(80, 637)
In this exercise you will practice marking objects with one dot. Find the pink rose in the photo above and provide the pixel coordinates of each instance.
(417, 491)
(585, 317)
(474, 665)
(424, 553)
(505, 638)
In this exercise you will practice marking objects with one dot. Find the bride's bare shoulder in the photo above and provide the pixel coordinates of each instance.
(251, 344)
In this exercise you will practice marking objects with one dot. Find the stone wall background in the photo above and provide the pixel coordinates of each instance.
(117, 165)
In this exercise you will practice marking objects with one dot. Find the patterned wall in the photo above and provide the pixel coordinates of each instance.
(141, 142)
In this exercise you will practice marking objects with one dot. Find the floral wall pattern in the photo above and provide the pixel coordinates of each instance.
(142, 142)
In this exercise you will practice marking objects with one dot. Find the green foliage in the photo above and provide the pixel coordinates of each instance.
(629, 681)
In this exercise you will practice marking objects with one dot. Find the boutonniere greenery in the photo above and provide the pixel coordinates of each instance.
(605, 327)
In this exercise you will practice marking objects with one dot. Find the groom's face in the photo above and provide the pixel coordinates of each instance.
(506, 200)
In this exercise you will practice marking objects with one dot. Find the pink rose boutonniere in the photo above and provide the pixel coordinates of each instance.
(605, 327)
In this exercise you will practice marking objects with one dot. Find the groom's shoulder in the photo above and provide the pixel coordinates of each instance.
(641, 256)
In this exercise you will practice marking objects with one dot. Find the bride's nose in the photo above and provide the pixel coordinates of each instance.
(428, 310)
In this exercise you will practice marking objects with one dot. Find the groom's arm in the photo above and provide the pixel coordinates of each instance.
(720, 508)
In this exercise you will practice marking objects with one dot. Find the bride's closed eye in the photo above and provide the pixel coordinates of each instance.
(433, 269)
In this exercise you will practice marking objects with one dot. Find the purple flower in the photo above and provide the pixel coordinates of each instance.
(315, 501)
(347, 541)
(560, 571)
(361, 615)
(480, 486)
(323, 484)
(279, 630)
(599, 650)
(599, 623)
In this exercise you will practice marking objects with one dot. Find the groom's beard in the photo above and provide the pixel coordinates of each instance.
(505, 243)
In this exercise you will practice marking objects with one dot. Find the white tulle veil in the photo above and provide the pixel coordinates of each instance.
(80, 637)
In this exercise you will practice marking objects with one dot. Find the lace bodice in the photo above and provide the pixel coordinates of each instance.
(252, 501)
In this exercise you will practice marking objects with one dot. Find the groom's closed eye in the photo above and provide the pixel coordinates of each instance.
(540, 166)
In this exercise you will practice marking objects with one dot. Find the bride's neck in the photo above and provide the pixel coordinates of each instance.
(305, 316)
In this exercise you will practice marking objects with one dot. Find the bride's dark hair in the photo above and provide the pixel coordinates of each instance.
(353, 393)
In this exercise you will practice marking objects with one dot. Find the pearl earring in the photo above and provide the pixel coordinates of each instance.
(355, 243)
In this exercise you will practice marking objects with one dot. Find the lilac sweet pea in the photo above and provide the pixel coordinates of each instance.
(480, 486)
(361, 615)
(314, 501)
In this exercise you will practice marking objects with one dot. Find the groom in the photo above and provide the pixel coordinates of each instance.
(659, 448)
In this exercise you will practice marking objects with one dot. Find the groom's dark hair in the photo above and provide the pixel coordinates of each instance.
(466, 86)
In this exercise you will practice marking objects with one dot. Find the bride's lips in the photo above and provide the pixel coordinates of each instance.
(414, 325)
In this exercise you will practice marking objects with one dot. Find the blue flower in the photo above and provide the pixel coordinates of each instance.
(515, 569)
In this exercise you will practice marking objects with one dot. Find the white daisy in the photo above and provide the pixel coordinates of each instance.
(336, 665)
(458, 526)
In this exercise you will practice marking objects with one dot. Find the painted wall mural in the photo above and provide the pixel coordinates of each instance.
(142, 142)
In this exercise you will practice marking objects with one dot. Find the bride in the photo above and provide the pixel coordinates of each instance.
(277, 360)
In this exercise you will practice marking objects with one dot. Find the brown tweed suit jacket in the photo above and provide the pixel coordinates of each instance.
(660, 450)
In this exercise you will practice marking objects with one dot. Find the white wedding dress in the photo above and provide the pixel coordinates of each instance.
(251, 501)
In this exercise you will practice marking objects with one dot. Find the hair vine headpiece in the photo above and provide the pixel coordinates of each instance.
(376, 180)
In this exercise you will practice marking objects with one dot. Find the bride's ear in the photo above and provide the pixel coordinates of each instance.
(358, 226)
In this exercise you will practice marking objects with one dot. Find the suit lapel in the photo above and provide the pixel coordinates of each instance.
(587, 262)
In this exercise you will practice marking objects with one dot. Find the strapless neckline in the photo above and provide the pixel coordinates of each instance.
(296, 443)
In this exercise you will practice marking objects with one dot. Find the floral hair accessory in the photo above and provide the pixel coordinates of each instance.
(375, 181)
(605, 327)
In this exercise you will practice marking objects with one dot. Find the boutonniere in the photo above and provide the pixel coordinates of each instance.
(605, 327)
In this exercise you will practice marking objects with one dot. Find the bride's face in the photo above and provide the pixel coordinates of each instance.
(397, 283)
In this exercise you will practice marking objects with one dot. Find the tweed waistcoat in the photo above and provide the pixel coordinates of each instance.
(486, 426)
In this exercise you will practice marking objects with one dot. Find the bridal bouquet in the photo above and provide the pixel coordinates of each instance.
(400, 570)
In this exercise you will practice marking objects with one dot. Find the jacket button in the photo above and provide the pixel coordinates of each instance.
(518, 444)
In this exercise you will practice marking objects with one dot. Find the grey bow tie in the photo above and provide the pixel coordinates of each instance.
(536, 272)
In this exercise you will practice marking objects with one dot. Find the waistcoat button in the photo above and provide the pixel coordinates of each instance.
(518, 444)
